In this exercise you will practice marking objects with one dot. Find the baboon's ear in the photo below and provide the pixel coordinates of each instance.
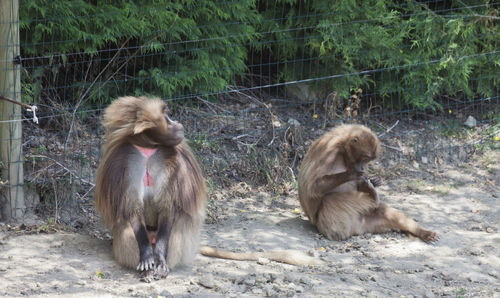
(142, 123)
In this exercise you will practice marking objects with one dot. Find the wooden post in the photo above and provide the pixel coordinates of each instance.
(12, 204)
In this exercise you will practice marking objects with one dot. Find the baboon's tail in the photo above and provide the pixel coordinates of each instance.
(292, 257)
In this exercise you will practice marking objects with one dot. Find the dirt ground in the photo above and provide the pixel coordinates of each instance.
(460, 203)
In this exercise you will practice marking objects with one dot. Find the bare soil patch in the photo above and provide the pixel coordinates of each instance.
(460, 203)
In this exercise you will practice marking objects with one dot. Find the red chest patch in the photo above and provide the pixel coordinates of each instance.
(147, 152)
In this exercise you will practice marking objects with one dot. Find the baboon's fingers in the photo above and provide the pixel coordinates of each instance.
(161, 272)
(147, 276)
(428, 236)
(148, 264)
(376, 181)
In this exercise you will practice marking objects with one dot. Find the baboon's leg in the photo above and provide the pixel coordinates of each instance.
(385, 218)
(340, 215)
(184, 239)
(125, 247)
(161, 246)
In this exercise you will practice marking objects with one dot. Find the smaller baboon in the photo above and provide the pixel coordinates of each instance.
(336, 194)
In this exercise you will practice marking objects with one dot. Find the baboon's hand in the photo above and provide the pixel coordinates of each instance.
(376, 181)
(367, 181)
(147, 261)
(147, 276)
(371, 188)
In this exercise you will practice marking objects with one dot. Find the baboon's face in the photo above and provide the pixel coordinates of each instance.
(165, 131)
(362, 148)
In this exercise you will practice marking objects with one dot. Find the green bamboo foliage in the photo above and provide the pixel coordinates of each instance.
(415, 50)
(167, 48)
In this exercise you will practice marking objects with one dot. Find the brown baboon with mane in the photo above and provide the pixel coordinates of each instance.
(149, 188)
(336, 194)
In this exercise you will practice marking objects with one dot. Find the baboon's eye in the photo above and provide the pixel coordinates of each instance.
(365, 158)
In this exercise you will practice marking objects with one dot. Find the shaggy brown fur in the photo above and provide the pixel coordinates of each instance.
(338, 197)
(149, 187)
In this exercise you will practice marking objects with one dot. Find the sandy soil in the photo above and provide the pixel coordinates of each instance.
(459, 203)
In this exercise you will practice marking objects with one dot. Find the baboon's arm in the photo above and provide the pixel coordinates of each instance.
(329, 182)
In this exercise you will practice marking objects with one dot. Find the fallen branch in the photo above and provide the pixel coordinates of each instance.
(393, 148)
(389, 129)
(62, 166)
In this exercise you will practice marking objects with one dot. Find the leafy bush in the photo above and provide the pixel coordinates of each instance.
(415, 51)
(167, 48)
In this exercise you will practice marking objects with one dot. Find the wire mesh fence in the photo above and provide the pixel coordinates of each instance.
(253, 82)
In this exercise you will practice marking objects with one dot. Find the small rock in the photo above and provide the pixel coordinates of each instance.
(446, 276)
(57, 244)
(289, 277)
(425, 160)
(470, 122)
(263, 261)
(259, 280)
(193, 289)
(489, 230)
(269, 291)
(207, 281)
(313, 253)
(475, 217)
(81, 282)
(292, 286)
(475, 252)
(257, 291)
(293, 122)
(306, 281)
(299, 289)
(249, 282)
(415, 164)
(273, 276)
(166, 293)
(266, 277)
(278, 287)
(477, 278)
(429, 294)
